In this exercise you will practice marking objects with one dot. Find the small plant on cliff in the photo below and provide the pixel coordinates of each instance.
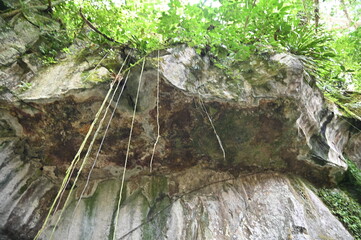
(352, 181)
(23, 86)
(48, 60)
(346, 209)
(345, 203)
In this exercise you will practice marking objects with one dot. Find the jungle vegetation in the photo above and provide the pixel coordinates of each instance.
(324, 34)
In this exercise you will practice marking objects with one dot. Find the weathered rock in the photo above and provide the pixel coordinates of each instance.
(27, 32)
(62, 79)
(192, 204)
(265, 87)
(11, 46)
(264, 116)
(353, 149)
(24, 192)
(17, 37)
(197, 204)
(15, 41)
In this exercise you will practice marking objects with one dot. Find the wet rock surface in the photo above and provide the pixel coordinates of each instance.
(271, 124)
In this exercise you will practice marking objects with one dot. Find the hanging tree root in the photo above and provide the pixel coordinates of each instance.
(73, 168)
(213, 127)
(73, 164)
(158, 125)
(106, 130)
(108, 125)
(87, 154)
(127, 153)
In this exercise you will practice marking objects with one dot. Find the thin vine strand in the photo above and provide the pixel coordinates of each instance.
(107, 128)
(86, 156)
(72, 165)
(78, 158)
(127, 153)
(213, 127)
(158, 125)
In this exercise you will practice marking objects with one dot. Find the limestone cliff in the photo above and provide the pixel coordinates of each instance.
(238, 156)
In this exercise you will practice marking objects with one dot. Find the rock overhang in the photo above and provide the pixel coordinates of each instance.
(264, 113)
(270, 123)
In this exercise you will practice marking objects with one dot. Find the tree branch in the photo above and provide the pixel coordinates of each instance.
(95, 29)
(12, 13)
(317, 14)
(344, 8)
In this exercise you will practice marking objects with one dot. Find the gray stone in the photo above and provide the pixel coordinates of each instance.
(353, 149)
(64, 77)
(11, 47)
(264, 116)
(11, 76)
(261, 206)
(27, 32)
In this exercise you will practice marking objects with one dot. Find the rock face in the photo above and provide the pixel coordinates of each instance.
(235, 154)
(261, 206)
(353, 149)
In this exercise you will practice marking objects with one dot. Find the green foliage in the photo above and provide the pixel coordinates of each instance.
(229, 32)
(69, 17)
(352, 181)
(346, 209)
(312, 49)
(23, 86)
(341, 80)
(234, 28)
(51, 43)
(346, 203)
(348, 47)
(133, 24)
(66, 50)
(48, 60)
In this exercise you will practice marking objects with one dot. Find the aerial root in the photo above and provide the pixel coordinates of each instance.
(75, 161)
(118, 80)
(90, 147)
(127, 153)
(158, 125)
(213, 127)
